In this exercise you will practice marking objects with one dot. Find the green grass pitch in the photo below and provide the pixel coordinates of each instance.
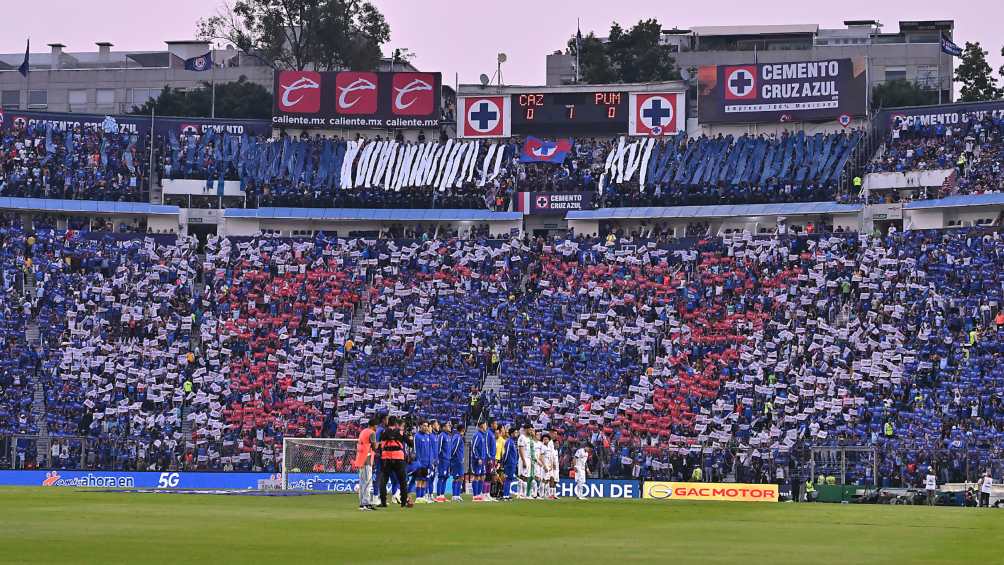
(49, 525)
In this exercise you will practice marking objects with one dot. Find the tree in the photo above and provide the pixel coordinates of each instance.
(902, 92)
(299, 34)
(975, 74)
(634, 55)
(239, 99)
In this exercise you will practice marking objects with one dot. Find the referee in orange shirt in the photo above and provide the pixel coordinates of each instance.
(365, 450)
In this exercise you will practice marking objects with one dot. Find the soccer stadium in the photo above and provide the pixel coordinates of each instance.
(290, 291)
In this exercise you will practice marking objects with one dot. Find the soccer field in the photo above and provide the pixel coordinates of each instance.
(47, 525)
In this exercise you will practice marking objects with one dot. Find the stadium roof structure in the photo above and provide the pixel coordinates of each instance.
(372, 214)
(87, 206)
(994, 199)
(777, 29)
(717, 211)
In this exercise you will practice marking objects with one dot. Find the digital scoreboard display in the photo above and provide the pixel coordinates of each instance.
(570, 112)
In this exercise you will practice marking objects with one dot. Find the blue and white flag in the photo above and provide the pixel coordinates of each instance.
(200, 63)
(949, 47)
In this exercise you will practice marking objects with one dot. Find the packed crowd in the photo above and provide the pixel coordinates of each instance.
(448, 173)
(86, 162)
(973, 149)
(731, 355)
(18, 359)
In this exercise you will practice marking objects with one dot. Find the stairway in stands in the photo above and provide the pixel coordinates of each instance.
(358, 317)
(32, 336)
(195, 344)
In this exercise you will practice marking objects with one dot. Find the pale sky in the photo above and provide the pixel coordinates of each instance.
(464, 37)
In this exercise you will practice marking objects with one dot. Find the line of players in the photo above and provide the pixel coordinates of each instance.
(502, 463)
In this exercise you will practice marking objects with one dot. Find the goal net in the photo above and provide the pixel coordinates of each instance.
(315, 455)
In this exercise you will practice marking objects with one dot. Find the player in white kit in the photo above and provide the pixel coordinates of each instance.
(580, 462)
(524, 445)
(551, 467)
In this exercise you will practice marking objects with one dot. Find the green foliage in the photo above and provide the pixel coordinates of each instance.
(633, 55)
(239, 99)
(299, 34)
(901, 92)
(975, 74)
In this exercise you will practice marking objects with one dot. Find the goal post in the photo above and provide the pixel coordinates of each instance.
(315, 456)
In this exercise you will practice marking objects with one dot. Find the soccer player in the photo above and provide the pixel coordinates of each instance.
(423, 461)
(510, 462)
(501, 437)
(443, 462)
(490, 461)
(580, 462)
(525, 448)
(550, 467)
(381, 426)
(438, 443)
(539, 470)
(456, 449)
(479, 459)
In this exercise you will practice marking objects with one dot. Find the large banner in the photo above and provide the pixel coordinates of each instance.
(594, 488)
(484, 116)
(807, 91)
(334, 482)
(554, 203)
(351, 99)
(945, 114)
(135, 123)
(736, 492)
(657, 113)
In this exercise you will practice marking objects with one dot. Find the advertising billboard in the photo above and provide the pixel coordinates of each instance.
(805, 91)
(331, 482)
(354, 99)
(735, 492)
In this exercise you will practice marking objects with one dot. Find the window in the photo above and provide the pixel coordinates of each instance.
(927, 76)
(139, 96)
(106, 96)
(77, 98)
(10, 99)
(38, 99)
(895, 73)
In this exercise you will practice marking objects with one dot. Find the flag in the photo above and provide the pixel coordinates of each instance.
(23, 69)
(543, 151)
(200, 63)
(949, 47)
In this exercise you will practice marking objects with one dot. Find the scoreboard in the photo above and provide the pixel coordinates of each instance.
(569, 112)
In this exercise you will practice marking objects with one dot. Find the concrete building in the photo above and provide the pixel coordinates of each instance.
(913, 53)
(107, 81)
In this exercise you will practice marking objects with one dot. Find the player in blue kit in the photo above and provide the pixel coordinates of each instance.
(510, 462)
(424, 462)
(455, 447)
(442, 460)
(479, 461)
(490, 461)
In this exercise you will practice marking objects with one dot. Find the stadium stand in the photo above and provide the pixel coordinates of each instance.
(728, 353)
(349, 174)
(87, 163)
(974, 149)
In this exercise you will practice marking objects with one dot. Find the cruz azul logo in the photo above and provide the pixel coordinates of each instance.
(299, 91)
